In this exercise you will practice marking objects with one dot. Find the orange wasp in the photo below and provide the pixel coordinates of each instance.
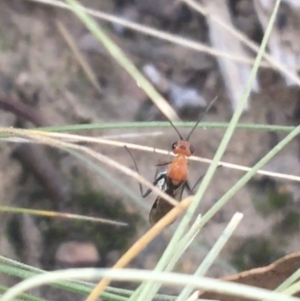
(174, 180)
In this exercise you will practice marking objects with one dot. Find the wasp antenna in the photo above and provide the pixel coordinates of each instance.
(200, 118)
(174, 127)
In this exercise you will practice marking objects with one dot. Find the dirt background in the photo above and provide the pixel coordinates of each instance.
(38, 69)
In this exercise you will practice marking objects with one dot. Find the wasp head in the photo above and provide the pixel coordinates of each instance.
(182, 147)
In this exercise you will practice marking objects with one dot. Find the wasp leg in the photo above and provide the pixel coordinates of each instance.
(191, 190)
(144, 195)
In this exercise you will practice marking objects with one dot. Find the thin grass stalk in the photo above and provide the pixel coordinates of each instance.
(82, 61)
(163, 124)
(79, 138)
(55, 214)
(101, 140)
(160, 151)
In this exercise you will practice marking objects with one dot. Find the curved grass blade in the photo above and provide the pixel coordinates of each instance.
(176, 279)
(56, 214)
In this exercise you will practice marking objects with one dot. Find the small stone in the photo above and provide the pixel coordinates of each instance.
(77, 253)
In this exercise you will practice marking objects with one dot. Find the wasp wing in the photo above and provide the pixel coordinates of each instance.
(161, 207)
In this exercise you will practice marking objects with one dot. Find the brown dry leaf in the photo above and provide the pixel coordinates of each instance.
(275, 274)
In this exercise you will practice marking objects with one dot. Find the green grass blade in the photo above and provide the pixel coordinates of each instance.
(26, 297)
(225, 198)
(184, 243)
(289, 281)
(74, 287)
(55, 214)
(213, 253)
(293, 289)
(163, 124)
(176, 279)
(23, 271)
